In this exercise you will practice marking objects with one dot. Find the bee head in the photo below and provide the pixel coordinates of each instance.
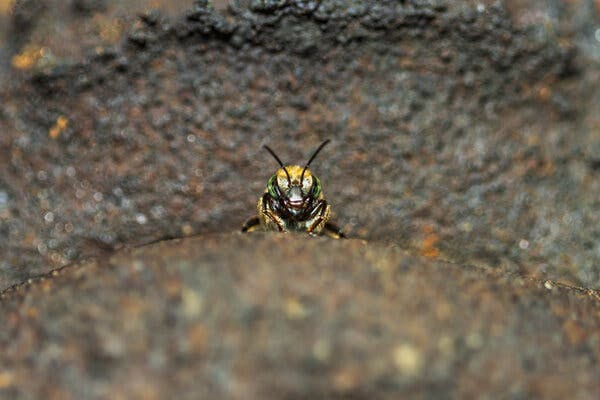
(294, 186)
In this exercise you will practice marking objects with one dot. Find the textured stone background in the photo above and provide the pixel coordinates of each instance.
(260, 316)
(466, 151)
(464, 130)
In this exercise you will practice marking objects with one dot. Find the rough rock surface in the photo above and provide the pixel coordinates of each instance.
(463, 130)
(289, 317)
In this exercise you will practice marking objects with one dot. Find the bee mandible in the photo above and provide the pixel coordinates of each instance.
(293, 202)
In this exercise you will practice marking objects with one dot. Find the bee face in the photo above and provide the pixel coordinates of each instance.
(294, 190)
(293, 201)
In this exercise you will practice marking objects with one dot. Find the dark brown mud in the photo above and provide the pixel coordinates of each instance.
(287, 317)
(466, 143)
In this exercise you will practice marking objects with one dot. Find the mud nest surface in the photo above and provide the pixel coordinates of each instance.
(464, 134)
(458, 130)
(287, 317)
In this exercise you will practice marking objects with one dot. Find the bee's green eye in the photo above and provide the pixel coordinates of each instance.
(316, 187)
(271, 186)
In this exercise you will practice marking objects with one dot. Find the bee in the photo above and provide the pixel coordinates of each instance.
(293, 202)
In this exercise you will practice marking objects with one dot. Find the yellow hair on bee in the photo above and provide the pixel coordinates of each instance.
(295, 172)
(293, 202)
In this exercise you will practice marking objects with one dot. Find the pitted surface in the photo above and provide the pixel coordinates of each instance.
(281, 316)
(458, 130)
(462, 131)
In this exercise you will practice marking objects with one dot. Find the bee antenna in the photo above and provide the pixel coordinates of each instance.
(312, 158)
(280, 163)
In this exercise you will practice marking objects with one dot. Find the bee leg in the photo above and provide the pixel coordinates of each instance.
(333, 231)
(251, 225)
(322, 210)
(268, 213)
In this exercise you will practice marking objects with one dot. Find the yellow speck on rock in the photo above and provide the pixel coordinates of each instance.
(193, 303)
(428, 244)
(28, 58)
(7, 379)
(23, 60)
(5, 6)
(408, 359)
(59, 126)
(474, 341)
(446, 345)
(187, 229)
(322, 350)
(294, 309)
